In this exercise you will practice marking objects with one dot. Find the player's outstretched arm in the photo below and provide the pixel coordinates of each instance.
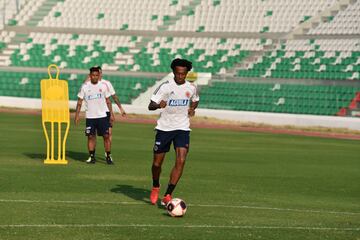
(77, 112)
(153, 105)
(117, 101)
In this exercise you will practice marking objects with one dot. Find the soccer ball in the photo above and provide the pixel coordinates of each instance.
(176, 207)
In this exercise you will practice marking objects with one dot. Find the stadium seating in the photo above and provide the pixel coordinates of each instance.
(282, 98)
(71, 50)
(345, 22)
(83, 50)
(206, 15)
(22, 84)
(129, 15)
(232, 39)
(249, 15)
(8, 9)
(329, 59)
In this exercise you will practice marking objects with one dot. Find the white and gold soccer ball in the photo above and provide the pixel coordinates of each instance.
(176, 207)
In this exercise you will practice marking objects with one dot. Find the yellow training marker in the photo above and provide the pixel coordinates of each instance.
(55, 109)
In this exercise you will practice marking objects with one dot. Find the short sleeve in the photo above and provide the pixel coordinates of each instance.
(107, 87)
(111, 88)
(195, 97)
(107, 94)
(81, 93)
(161, 93)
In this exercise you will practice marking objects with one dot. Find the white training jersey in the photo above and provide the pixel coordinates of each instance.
(95, 96)
(111, 89)
(178, 97)
(110, 86)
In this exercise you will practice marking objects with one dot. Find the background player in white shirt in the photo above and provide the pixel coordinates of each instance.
(114, 97)
(96, 95)
(178, 100)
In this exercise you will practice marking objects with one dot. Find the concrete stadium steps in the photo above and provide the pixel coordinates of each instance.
(42, 11)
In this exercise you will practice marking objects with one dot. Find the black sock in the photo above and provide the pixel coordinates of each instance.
(170, 189)
(92, 154)
(108, 154)
(156, 183)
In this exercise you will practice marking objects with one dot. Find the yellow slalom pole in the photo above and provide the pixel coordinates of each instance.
(59, 141)
(52, 141)
(47, 142)
(64, 142)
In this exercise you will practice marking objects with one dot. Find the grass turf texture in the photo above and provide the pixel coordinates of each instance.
(237, 185)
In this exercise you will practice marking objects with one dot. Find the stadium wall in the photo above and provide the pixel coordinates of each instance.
(276, 119)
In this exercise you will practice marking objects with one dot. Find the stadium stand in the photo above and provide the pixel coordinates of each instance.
(289, 98)
(27, 84)
(129, 15)
(345, 22)
(313, 55)
(249, 16)
(335, 59)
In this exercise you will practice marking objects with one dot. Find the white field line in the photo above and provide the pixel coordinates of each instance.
(174, 226)
(190, 205)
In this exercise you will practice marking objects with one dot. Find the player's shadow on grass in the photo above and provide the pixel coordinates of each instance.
(138, 194)
(36, 156)
(83, 156)
(77, 156)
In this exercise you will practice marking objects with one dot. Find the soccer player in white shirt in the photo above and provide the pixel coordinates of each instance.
(96, 96)
(114, 97)
(178, 100)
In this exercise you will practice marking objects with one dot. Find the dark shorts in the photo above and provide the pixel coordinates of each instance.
(99, 126)
(163, 140)
(108, 117)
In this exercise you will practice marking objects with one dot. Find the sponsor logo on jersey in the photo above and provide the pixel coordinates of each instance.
(178, 102)
(94, 96)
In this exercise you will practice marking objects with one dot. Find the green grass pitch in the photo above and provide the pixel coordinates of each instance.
(238, 185)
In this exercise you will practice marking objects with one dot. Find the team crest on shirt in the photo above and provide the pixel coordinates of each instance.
(100, 90)
(187, 94)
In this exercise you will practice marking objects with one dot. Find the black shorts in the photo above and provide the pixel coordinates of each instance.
(163, 140)
(99, 126)
(108, 117)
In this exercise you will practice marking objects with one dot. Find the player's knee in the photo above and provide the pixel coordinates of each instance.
(157, 162)
(91, 137)
(156, 166)
(180, 162)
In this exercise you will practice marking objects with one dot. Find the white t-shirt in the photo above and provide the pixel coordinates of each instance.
(178, 97)
(110, 86)
(111, 89)
(94, 96)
